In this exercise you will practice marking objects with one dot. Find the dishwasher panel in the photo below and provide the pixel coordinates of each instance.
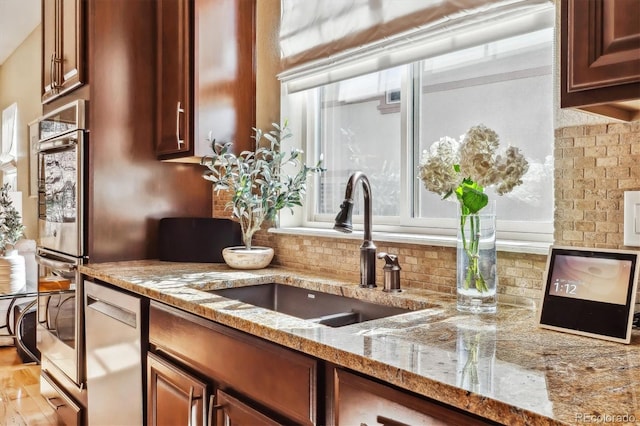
(113, 321)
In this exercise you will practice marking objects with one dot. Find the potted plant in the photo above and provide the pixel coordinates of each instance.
(12, 265)
(259, 186)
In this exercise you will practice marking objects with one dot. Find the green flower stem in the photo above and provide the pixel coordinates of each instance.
(471, 248)
(471, 366)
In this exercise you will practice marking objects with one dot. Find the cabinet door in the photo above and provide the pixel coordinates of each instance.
(206, 76)
(71, 44)
(600, 54)
(225, 82)
(174, 77)
(232, 412)
(359, 401)
(63, 47)
(174, 397)
(49, 48)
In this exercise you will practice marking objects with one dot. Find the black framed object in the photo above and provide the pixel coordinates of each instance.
(590, 292)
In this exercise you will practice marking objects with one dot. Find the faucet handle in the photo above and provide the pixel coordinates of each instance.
(391, 271)
(390, 259)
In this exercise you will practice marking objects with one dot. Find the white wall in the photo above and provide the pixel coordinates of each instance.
(20, 83)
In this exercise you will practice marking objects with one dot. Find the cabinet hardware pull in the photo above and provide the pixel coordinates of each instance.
(385, 421)
(190, 398)
(178, 112)
(55, 402)
(212, 409)
(51, 73)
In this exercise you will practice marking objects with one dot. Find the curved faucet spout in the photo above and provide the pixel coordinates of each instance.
(343, 223)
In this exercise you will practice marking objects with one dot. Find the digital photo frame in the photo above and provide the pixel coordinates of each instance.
(590, 292)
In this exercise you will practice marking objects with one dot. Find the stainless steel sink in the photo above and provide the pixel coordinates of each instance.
(323, 308)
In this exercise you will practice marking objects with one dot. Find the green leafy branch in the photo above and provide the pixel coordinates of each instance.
(255, 178)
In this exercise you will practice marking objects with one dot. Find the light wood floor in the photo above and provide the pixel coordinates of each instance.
(20, 399)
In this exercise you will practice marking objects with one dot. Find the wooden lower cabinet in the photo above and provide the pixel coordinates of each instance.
(174, 396)
(252, 378)
(355, 400)
(203, 373)
(233, 412)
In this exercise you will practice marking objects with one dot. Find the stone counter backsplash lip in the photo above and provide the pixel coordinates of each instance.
(524, 374)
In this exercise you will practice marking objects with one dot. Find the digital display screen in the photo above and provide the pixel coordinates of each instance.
(590, 278)
(590, 292)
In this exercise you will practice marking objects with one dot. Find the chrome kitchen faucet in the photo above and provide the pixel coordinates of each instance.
(343, 224)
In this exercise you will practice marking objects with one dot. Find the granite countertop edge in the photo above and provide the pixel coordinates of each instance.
(185, 286)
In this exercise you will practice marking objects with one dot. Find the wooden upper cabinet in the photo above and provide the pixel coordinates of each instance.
(174, 86)
(63, 47)
(49, 47)
(600, 57)
(206, 76)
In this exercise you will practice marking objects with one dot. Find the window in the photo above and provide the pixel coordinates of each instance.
(360, 129)
(508, 86)
(380, 123)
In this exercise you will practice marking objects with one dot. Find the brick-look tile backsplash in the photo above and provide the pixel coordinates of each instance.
(220, 201)
(594, 165)
(427, 267)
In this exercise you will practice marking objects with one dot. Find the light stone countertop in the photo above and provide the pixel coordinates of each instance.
(524, 375)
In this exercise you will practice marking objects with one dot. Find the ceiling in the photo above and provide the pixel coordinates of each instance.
(18, 18)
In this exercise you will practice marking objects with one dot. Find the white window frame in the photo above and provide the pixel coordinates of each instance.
(300, 110)
(435, 232)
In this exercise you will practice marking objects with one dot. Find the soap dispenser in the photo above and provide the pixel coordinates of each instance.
(391, 272)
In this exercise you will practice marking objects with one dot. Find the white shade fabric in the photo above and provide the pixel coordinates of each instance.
(326, 41)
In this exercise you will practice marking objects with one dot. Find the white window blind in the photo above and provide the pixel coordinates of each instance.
(332, 40)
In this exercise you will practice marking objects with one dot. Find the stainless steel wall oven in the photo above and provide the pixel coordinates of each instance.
(62, 166)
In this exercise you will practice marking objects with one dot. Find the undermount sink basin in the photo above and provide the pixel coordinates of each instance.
(324, 308)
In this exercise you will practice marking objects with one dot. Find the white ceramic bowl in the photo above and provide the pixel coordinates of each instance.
(241, 258)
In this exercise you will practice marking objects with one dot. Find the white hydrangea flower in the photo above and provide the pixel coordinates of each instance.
(437, 166)
(477, 157)
(511, 168)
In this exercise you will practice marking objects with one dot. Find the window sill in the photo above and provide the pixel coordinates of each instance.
(530, 247)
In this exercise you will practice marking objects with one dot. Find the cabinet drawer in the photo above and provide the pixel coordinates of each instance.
(278, 378)
(68, 411)
(360, 401)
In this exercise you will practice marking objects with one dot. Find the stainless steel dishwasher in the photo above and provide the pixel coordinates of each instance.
(113, 321)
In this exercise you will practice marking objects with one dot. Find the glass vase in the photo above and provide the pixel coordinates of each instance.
(476, 351)
(476, 261)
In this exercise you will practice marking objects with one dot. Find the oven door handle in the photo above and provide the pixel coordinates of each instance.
(56, 264)
(56, 144)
